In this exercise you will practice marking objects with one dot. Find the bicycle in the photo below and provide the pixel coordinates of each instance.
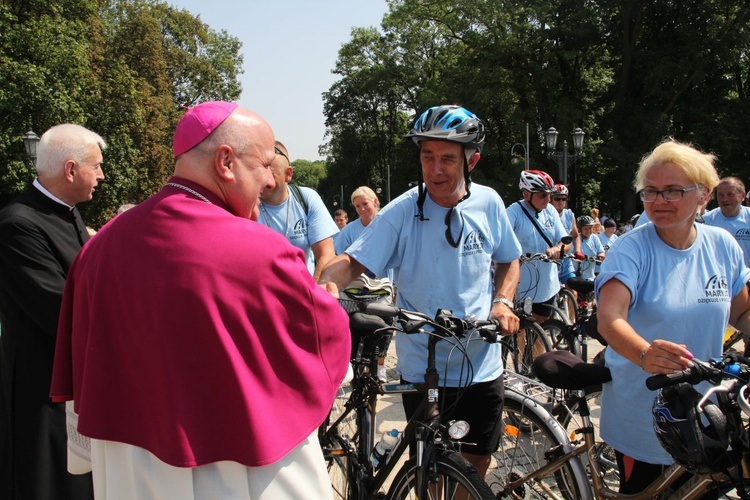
(573, 337)
(437, 469)
(529, 477)
(520, 350)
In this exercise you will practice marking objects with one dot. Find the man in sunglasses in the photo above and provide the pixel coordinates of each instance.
(539, 229)
(568, 218)
(298, 213)
(441, 238)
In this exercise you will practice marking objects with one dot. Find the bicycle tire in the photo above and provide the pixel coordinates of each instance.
(523, 451)
(519, 358)
(454, 476)
(339, 446)
(568, 303)
(562, 336)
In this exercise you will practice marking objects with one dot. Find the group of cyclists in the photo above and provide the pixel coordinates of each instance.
(665, 292)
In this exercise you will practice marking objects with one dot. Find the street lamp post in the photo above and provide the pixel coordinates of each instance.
(564, 158)
(525, 149)
(30, 141)
(515, 159)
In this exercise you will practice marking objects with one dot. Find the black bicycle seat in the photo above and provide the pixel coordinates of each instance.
(580, 285)
(565, 370)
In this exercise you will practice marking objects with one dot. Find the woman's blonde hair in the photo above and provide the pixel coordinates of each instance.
(697, 166)
(366, 192)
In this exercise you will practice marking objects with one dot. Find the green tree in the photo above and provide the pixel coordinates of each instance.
(628, 73)
(308, 173)
(122, 68)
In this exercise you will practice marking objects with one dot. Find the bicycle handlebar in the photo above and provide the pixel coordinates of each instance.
(714, 370)
(373, 316)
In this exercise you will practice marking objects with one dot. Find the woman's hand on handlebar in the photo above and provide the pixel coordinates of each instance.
(663, 356)
(507, 320)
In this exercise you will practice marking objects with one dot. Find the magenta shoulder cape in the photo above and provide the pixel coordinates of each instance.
(197, 335)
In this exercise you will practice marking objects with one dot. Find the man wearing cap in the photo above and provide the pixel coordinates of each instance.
(441, 239)
(298, 213)
(41, 233)
(187, 329)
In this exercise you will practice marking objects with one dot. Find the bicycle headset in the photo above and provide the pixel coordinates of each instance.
(698, 439)
(453, 124)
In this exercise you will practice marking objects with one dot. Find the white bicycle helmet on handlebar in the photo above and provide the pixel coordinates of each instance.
(536, 181)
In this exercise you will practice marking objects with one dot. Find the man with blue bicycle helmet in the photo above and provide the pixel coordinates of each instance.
(440, 238)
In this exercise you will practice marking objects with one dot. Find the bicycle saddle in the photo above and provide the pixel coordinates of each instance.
(580, 285)
(565, 370)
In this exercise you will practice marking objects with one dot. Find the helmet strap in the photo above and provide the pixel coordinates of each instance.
(531, 202)
(422, 196)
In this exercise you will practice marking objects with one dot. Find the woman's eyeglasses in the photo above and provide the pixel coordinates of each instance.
(671, 194)
(559, 199)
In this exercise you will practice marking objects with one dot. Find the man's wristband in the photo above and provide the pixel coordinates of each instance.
(503, 300)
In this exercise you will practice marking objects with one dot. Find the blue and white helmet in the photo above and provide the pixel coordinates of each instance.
(449, 123)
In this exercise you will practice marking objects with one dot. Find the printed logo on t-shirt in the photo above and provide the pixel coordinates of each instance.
(716, 290)
(299, 230)
(548, 223)
(742, 234)
(473, 243)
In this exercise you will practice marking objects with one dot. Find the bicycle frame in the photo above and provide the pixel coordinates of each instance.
(423, 429)
(693, 488)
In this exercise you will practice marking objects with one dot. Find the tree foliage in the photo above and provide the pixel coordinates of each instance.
(122, 68)
(628, 73)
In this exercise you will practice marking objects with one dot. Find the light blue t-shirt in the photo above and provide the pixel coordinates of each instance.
(678, 295)
(738, 226)
(607, 241)
(590, 247)
(538, 279)
(347, 236)
(642, 220)
(302, 230)
(567, 269)
(430, 274)
(567, 217)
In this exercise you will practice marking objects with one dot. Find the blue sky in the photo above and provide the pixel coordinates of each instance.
(289, 49)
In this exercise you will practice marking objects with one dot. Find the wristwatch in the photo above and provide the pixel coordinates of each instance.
(503, 300)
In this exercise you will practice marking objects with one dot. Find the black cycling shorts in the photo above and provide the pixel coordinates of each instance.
(480, 405)
(543, 308)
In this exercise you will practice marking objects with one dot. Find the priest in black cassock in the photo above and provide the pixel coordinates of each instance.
(41, 232)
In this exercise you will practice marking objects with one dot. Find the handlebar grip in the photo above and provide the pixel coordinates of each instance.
(378, 309)
(661, 380)
(366, 322)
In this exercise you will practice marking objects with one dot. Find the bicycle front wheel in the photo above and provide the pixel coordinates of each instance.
(527, 344)
(452, 477)
(568, 303)
(527, 448)
(339, 445)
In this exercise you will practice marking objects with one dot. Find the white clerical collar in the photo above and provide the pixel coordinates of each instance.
(49, 195)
